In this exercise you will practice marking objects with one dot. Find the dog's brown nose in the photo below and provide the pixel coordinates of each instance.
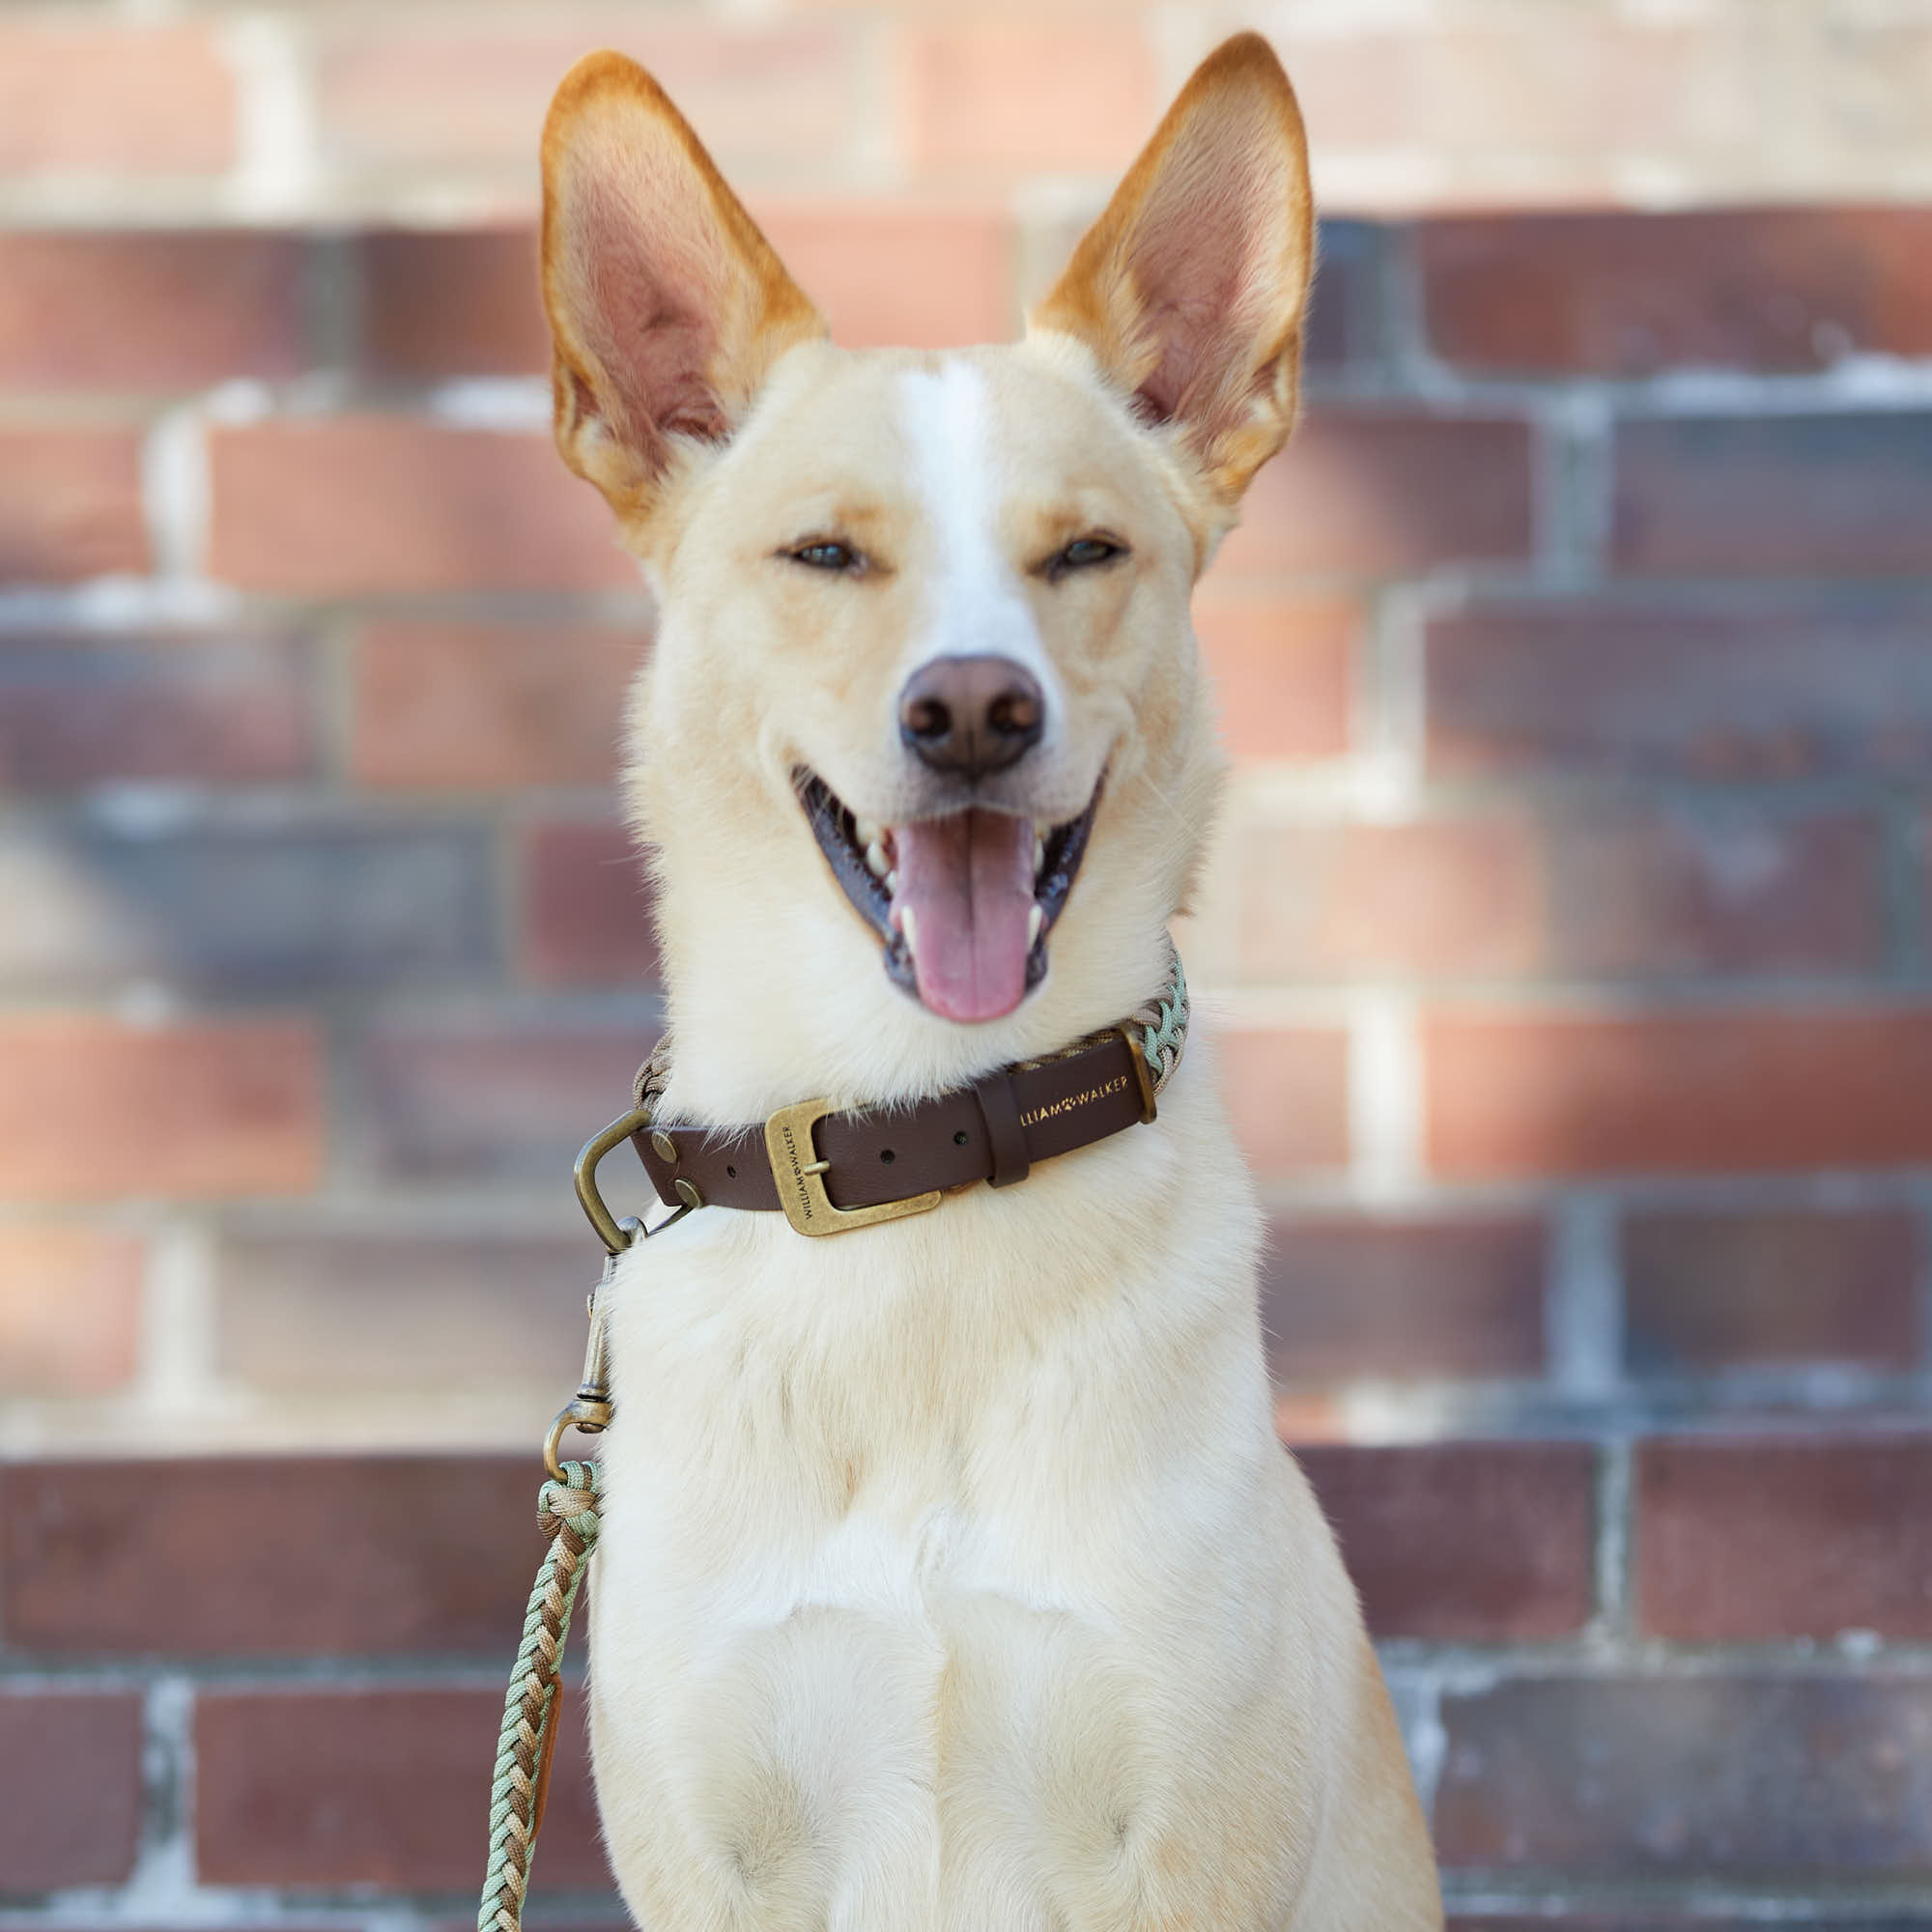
(972, 714)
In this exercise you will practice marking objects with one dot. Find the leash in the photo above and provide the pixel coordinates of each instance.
(567, 1505)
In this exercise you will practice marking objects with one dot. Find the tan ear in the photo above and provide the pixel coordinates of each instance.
(1190, 290)
(667, 306)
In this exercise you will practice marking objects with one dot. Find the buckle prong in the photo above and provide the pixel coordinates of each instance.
(799, 1174)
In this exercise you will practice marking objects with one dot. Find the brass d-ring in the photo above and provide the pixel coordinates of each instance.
(609, 1230)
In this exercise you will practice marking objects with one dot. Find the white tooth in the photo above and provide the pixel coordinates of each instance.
(905, 927)
(868, 833)
(1036, 919)
(893, 880)
(1039, 855)
(876, 858)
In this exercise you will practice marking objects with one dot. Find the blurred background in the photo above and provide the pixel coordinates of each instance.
(1569, 926)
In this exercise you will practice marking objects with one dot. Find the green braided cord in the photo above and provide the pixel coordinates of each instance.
(1164, 1026)
(534, 1683)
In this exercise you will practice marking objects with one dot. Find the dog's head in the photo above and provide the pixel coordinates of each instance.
(922, 750)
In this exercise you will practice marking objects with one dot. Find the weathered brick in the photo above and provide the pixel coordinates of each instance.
(488, 705)
(1751, 686)
(273, 908)
(451, 302)
(1383, 1300)
(1014, 96)
(1710, 1289)
(1628, 295)
(339, 1788)
(269, 1557)
(1288, 1095)
(94, 96)
(387, 504)
(75, 712)
(1369, 492)
(500, 1099)
(1741, 1542)
(1283, 670)
(586, 907)
(69, 1309)
(1786, 496)
(73, 1793)
(1764, 1087)
(1464, 1542)
(91, 1108)
(1790, 1780)
(1345, 326)
(70, 504)
(326, 1310)
(212, 305)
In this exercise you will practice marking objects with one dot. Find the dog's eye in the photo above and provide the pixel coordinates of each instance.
(1084, 553)
(827, 553)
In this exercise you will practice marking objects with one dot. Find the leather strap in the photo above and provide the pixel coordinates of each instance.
(994, 1131)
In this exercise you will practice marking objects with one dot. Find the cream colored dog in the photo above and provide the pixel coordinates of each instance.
(952, 1575)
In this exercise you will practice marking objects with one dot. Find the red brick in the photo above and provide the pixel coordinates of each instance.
(91, 1108)
(1742, 1541)
(73, 1812)
(1790, 1781)
(389, 1787)
(212, 305)
(1465, 1542)
(85, 98)
(1283, 668)
(1364, 493)
(270, 1556)
(385, 503)
(1788, 496)
(1699, 1091)
(1402, 1299)
(1626, 294)
(1752, 687)
(1708, 1291)
(461, 303)
(70, 504)
(1011, 97)
(1288, 1095)
(586, 907)
(75, 712)
(489, 705)
(69, 1309)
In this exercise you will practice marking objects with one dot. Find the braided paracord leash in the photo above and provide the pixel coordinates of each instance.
(567, 1513)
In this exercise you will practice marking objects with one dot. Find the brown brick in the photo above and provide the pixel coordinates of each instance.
(89, 97)
(586, 907)
(69, 1309)
(70, 504)
(1361, 493)
(94, 1109)
(456, 302)
(1741, 1542)
(1788, 496)
(339, 1788)
(1283, 670)
(326, 1310)
(1793, 1781)
(1009, 97)
(1626, 294)
(507, 1100)
(212, 305)
(385, 503)
(1288, 1095)
(1465, 1541)
(1710, 1290)
(1522, 1094)
(489, 705)
(1751, 686)
(1402, 1299)
(74, 1790)
(74, 712)
(1345, 326)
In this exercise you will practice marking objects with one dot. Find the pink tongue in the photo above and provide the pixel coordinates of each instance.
(967, 881)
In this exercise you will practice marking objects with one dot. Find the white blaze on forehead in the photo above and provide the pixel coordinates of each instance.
(974, 606)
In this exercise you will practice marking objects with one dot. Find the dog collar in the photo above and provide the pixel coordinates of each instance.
(829, 1171)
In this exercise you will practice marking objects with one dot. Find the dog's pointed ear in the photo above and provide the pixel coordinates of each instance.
(1190, 290)
(667, 306)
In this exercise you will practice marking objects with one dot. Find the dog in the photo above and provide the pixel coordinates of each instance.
(950, 1574)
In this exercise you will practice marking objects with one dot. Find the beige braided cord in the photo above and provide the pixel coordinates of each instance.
(567, 1513)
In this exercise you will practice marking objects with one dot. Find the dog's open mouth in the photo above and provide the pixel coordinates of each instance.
(963, 902)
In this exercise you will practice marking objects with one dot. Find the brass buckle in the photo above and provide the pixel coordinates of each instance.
(800, 1178)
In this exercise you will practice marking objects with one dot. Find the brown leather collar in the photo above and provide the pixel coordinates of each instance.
(831, 1170)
